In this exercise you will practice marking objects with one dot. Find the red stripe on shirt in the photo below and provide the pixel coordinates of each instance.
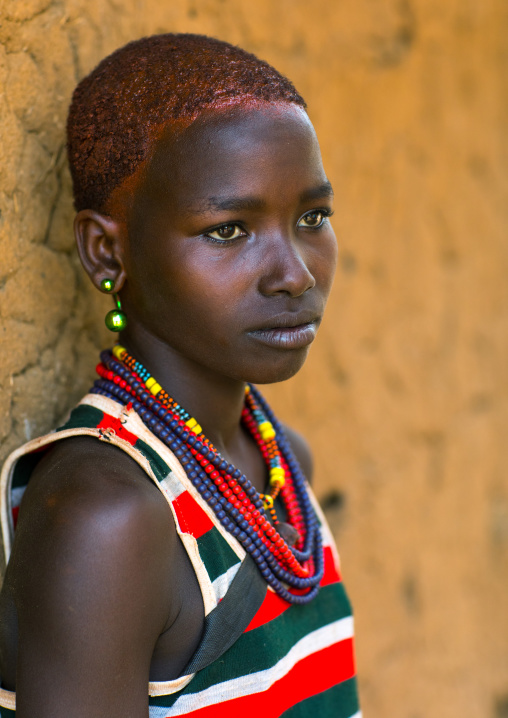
(331, 573)
(191, 517)
(109, 422)
(312, 675)
(273, 605)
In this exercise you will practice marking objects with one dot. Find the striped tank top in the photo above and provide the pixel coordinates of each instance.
(258, 655)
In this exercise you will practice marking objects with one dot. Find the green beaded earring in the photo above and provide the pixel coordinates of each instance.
(115, 320)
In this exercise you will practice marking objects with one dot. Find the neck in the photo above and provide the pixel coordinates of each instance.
(215, 401)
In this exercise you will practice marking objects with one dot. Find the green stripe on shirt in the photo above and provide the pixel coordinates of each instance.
(216, 553)
(341, 701)
(280, 634)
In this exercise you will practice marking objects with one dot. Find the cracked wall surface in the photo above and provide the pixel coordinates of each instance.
(404, 397)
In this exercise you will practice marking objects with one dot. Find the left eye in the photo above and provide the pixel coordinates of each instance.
(312, 219)
(226, 231)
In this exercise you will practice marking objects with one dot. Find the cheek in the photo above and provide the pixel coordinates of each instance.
(324, 262)
(220, 277)
(203, 295)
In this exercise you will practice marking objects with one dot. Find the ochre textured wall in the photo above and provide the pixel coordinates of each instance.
(404, 397)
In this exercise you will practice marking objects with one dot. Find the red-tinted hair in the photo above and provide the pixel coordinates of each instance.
(119, 111)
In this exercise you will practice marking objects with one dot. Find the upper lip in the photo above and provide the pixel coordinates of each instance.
(288, 320)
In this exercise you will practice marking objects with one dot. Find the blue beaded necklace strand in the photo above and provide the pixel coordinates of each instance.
(294, 572)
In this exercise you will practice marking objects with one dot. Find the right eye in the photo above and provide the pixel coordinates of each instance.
(226, 232)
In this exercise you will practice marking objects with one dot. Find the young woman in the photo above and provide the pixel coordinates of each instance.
(169, 558)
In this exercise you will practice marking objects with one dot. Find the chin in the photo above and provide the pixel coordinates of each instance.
(276, 370)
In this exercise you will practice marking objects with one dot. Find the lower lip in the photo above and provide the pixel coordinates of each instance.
(287, 337)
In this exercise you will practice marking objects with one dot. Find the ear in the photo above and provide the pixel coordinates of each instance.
(100, 241)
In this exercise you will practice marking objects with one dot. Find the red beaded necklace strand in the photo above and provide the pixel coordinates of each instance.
(294, 572)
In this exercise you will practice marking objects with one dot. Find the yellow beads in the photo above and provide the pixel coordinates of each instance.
(266, 430)
(153, 386)
(267, 501)
(119, 351)
(194, 426)
(277, 476)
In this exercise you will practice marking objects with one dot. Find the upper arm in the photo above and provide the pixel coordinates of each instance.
(88, 592)
(302, 451)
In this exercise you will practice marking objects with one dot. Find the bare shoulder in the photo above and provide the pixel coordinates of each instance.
(90, 506)
(86, 466)
(89, 492)
(302, 451)
(94, 534)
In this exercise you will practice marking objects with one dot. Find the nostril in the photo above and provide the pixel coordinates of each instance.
(286, 272)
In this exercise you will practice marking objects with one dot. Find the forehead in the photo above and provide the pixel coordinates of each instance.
(235, 151)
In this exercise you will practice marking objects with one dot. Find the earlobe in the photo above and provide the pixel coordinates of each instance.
(100, 244)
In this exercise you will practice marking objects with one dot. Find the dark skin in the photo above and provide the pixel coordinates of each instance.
(223, 267)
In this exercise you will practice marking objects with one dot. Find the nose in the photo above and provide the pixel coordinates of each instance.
(285, 270)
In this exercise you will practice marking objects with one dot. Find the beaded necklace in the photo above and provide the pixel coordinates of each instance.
(294, 572)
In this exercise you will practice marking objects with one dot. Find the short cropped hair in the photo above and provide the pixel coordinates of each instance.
(120, 109)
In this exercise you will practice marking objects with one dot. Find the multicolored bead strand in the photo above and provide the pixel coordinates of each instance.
(294, 572)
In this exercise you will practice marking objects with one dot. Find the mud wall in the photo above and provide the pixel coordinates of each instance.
(404, 398)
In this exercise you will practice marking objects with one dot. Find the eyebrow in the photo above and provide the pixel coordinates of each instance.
(324, 190)
(238, 204)
(232, 204)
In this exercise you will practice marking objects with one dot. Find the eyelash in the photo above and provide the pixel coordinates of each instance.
(322, 211)
(224, 242)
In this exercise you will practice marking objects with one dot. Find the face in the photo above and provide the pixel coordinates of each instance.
(231, 253)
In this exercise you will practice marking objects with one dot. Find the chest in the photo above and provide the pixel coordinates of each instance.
(178, 642)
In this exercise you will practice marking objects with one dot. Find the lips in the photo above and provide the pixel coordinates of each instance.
(288, 331)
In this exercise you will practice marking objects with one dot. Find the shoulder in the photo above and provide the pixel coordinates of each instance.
(85, 478)
(90, 575)
(90, 515)
(301, 450)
